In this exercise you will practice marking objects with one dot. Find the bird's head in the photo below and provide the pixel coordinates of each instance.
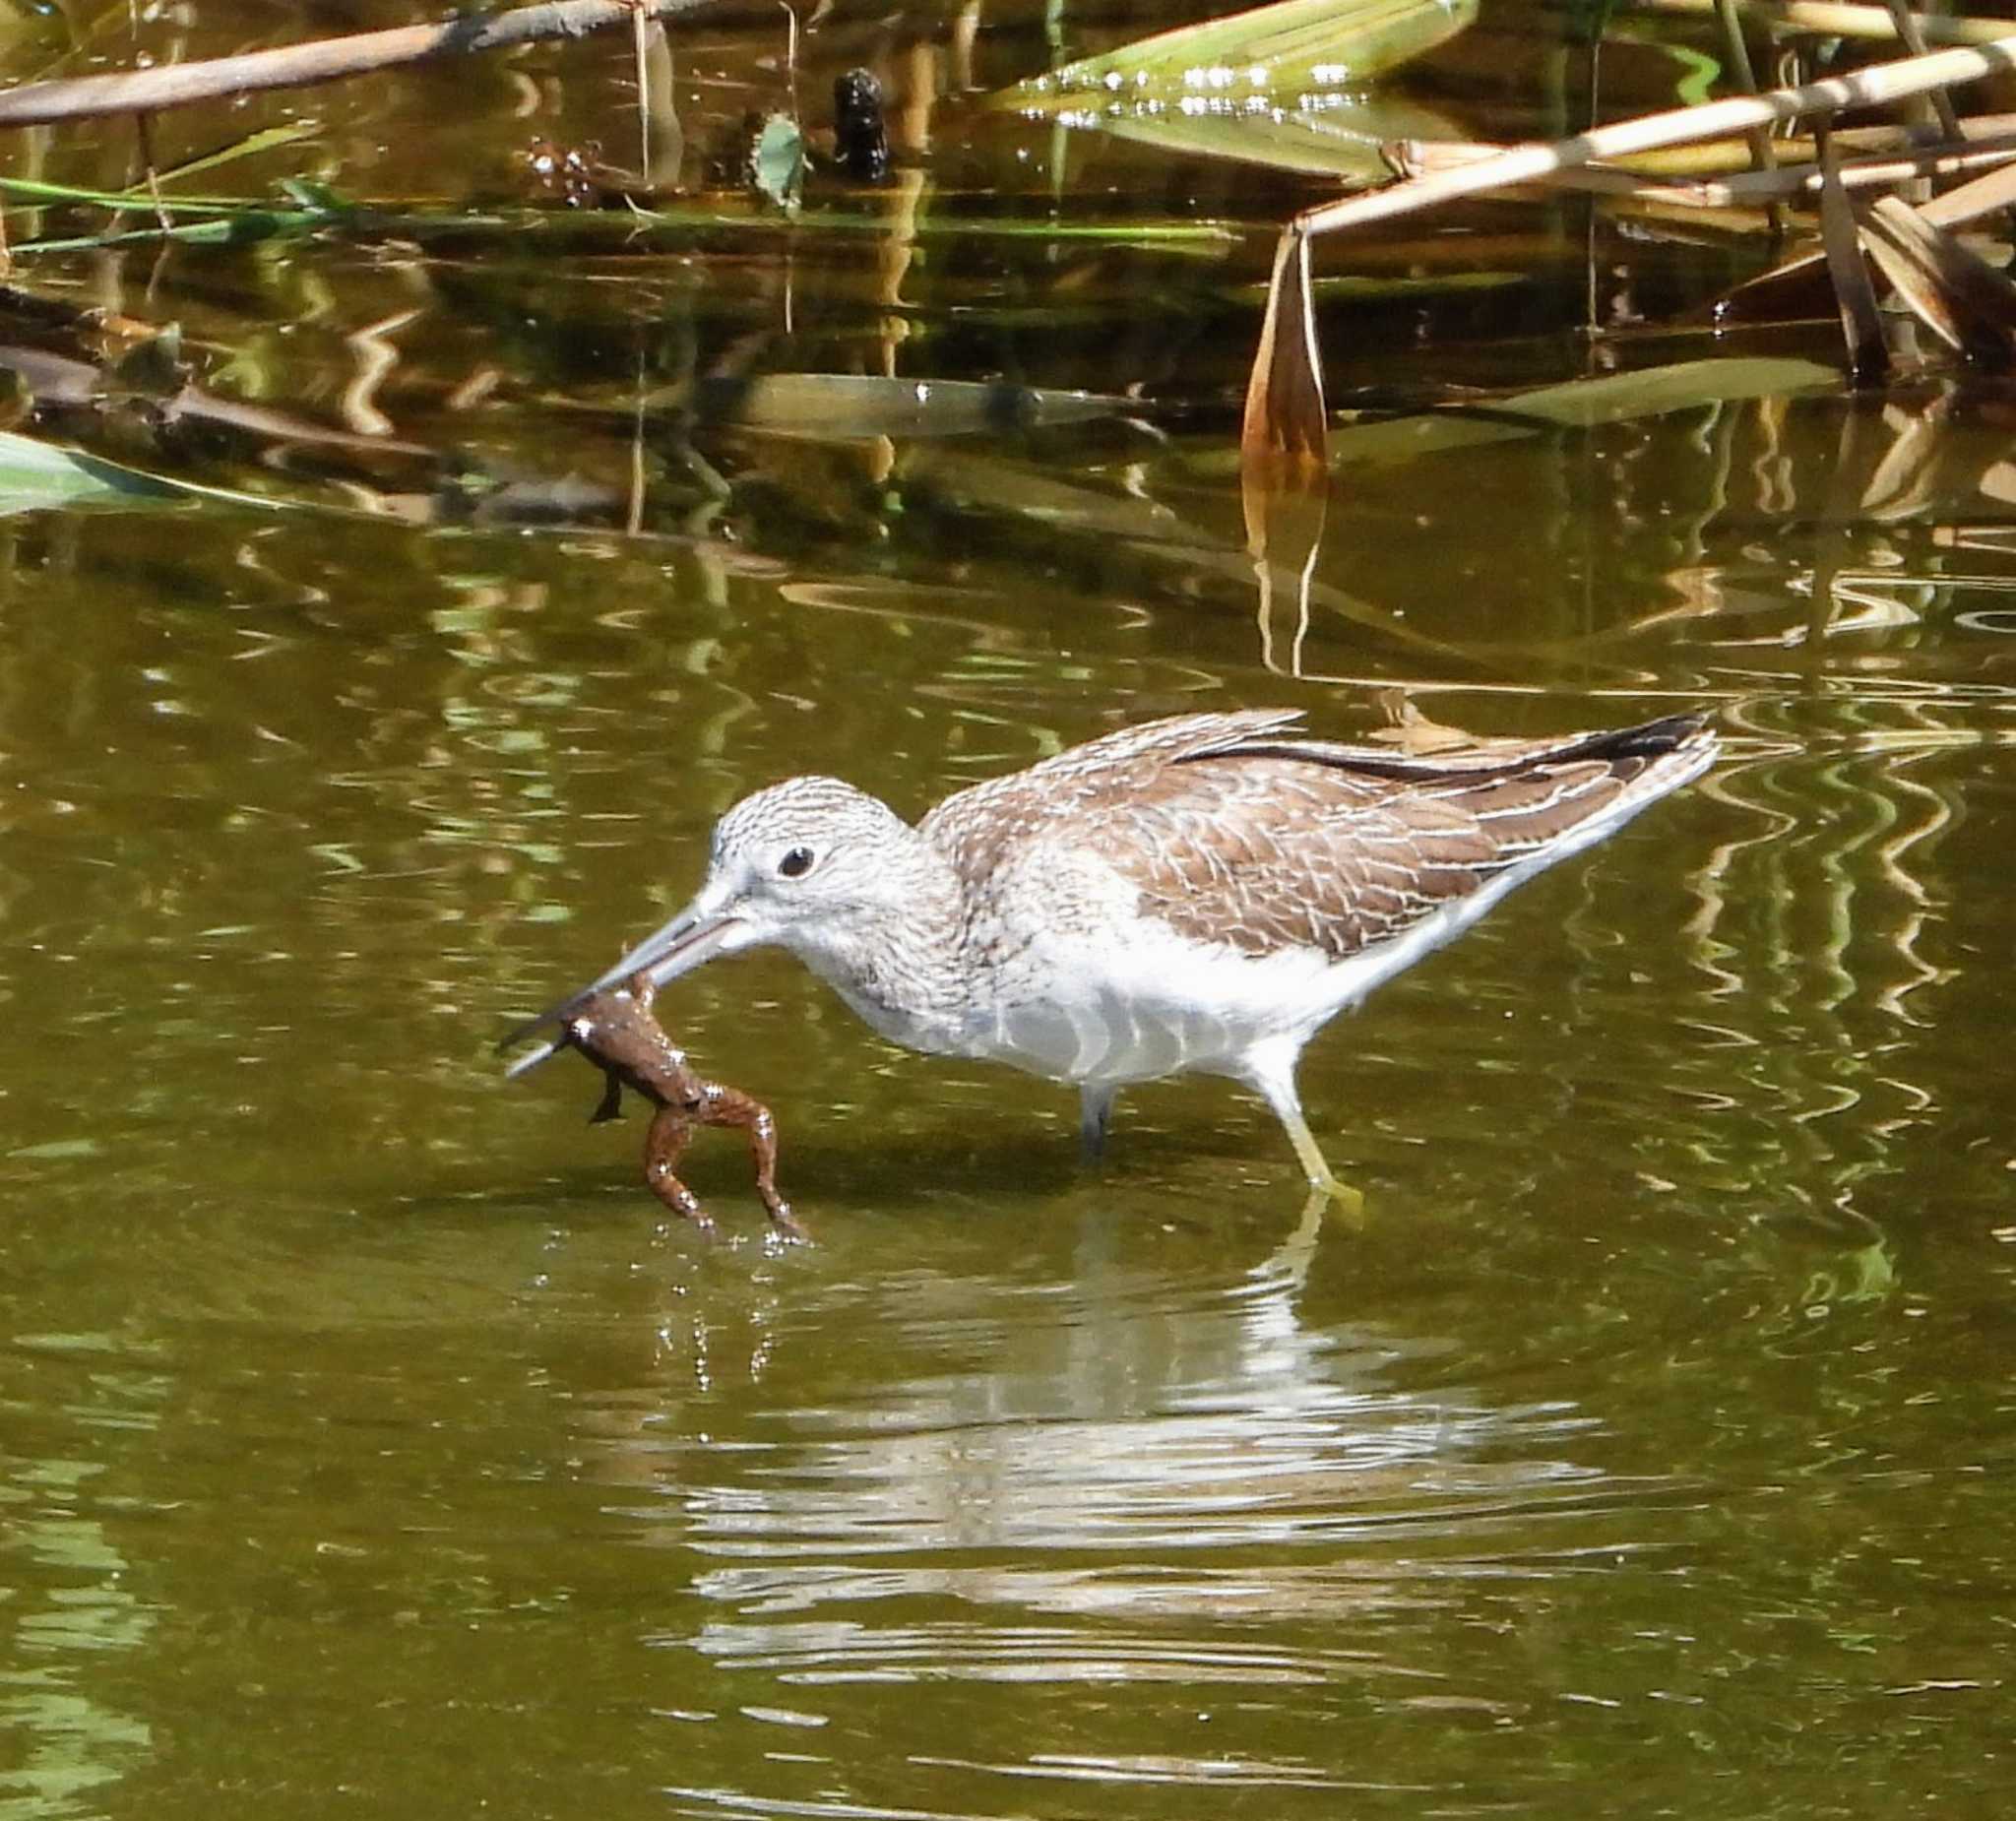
(796, 864)
(810, 864)
(799, 862)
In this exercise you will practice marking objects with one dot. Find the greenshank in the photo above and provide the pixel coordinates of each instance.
(1197, 894)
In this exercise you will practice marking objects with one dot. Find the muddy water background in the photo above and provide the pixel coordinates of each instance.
(368, 1444)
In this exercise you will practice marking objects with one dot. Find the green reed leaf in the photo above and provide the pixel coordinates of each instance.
(1263, 57)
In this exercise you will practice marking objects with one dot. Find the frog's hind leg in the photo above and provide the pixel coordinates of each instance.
(664, 1143)
(731, 1107)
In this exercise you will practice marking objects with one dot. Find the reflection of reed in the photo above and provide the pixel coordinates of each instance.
(1773, 524)
(1817, 571)
(68, 1607)
(377, 359)
(1811, 931)
(1822, 562)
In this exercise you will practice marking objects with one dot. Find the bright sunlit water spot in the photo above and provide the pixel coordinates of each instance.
(372, 1442)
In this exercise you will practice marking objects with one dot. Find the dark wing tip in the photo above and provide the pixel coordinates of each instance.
(1650, 738)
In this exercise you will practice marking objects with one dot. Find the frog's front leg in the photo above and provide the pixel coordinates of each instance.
(611, 1106)
(671, 1127)
(642, 991)
(719, 1106)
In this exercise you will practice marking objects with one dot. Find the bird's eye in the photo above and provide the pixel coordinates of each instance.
(795, 865)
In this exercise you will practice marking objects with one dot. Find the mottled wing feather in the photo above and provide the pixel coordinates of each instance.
(981, 825)
(1268, 844)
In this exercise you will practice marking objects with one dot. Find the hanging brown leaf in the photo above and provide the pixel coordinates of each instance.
(1285, 431)
(1961, 299)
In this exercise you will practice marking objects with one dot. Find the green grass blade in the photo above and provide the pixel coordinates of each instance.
(250, 146)
(1252, 58)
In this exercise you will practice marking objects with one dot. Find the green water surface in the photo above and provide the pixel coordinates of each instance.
(372, 1444)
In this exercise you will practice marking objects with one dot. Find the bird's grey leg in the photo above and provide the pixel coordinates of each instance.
(1272, 1078)
(1095, 1115)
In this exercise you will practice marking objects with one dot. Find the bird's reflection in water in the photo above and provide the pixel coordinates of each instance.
(1104, 1460)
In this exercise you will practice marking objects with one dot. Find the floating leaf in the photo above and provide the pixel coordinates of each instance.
(1248, 59)
(1347, 140)
(35, 475)
(860, 405)
(242, 229)
(776, 161)
(56, 1150)
(1581, 403)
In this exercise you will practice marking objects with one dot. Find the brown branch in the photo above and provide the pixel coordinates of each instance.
(300, 66)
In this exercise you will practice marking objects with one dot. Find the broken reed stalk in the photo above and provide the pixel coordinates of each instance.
(1871, 87)
(1983, 195)
(1854, 295)
(1283, 422)
(1953, 292)
(1747, 189)
(301, 66)
(1266, 435)
(1836, 18)
(1911, 36)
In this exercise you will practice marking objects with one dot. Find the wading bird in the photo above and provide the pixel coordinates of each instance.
(1198, 894)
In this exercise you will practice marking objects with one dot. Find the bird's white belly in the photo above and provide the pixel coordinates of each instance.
(1128, 999)
(1157, 1006)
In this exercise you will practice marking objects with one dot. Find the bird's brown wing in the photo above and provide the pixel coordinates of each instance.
(981, 825)
(1267, 851)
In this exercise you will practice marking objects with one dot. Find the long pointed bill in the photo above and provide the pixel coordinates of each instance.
(678, 948)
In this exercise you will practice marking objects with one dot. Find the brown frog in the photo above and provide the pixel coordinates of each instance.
(615, 1031)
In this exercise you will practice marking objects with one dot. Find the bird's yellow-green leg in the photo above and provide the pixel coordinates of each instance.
(1347, 1201)
(1273, 1077)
